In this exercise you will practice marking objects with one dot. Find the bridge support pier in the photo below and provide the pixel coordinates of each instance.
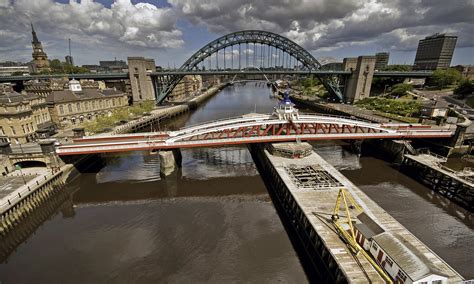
(167, 162)
(178, 158)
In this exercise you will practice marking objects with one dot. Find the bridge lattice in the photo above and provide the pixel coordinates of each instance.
(262, 50)
(253, 128)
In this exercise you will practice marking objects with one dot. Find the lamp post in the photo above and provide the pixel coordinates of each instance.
(19, 166)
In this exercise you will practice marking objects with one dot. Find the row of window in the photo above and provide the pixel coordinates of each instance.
(41, 118)
(80, 106)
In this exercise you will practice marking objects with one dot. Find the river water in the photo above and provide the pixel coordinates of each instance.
(211, 221)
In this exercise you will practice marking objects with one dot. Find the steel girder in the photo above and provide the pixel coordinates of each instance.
(282, 129)
(167, 84)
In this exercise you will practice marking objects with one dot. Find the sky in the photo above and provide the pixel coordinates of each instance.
(170, 31)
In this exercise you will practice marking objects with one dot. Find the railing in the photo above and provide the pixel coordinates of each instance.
(24, 190)
(426, 151)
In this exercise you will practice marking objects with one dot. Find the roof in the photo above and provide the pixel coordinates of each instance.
(85, 94)
(14, 97)
(407, 257)
(368, 227)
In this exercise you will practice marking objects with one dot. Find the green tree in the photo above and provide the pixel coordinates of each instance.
(397, 67)
(17, 73)
(465, 88)
(443, 78)
(401, 89)
(56, 66)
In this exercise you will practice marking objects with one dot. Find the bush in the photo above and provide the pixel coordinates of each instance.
(400, 90)
(465, 88)
(402, 108)
(443, 78)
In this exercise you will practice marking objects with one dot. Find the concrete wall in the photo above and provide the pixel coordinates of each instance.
(358, 84)
(141, 84)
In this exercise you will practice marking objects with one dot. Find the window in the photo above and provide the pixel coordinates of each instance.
(78, 106)
(23, 127)
(69, 107)
(374, 245)
(1, 131)
(401, 275)
(61, 109)
(436, 282)
(13, 130)
(389, 261)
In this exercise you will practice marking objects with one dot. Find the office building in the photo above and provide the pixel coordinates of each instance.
(435, 52)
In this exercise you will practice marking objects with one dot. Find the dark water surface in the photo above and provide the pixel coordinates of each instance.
(211, 221)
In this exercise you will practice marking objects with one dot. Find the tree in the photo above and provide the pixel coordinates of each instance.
(399, 90)
(465, 88)
(397, 67)
(56, 66)
(443, 78)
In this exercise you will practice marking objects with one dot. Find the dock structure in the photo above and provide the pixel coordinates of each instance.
(304, 188)
(428, 169)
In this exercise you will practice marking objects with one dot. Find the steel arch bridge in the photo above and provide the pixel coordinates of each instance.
(164, 85)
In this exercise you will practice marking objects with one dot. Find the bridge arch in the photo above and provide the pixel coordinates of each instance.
(30, 164)
(294, 51)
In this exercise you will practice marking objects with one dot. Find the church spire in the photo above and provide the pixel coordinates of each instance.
(35, 38)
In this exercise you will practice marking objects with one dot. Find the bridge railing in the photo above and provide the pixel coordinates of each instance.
(351, 118)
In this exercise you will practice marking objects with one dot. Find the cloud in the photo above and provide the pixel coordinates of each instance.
(130, 28)
(90, 23)
(322, 25)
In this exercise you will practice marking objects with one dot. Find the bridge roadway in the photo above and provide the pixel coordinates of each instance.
(125, 75)
(253, 128)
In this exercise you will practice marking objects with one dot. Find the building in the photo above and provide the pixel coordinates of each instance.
(381, 60)
(40, 59)
(113, 66)
(14, 70)
(403, 262)
(45, 87)
(77, 104)
(435, 52)
(69, 60)
(188, 86)
(467, 71)
(23, 117)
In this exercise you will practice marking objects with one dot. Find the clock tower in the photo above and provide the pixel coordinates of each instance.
(40, 59)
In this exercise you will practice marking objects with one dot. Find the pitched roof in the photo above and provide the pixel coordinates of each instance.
(406, 256)
(368, 227)
(85, 94)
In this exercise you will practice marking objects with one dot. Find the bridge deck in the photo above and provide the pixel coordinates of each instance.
(317, 205)
(253, 128)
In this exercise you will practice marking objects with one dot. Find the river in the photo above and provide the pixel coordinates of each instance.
(213, 220)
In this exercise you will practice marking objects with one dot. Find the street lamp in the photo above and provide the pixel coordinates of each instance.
(19, 166)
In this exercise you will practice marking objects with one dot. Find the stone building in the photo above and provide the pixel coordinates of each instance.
(188, 86)
(77, 104)
(23, 117)
(40, 59)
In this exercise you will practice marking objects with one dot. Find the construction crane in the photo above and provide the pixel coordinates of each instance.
(349, 237)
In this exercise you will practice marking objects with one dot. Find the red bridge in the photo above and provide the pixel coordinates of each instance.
(285, 124)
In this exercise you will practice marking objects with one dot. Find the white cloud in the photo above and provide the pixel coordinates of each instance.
(323, 25)
(90, 23)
